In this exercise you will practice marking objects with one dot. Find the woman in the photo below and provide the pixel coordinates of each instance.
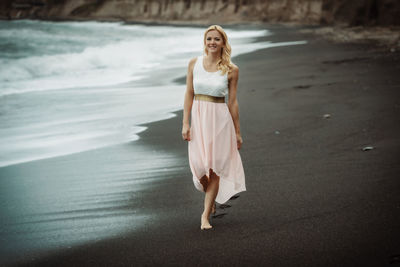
(214, 134)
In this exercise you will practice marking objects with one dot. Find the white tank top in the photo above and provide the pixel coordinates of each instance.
(209, 83)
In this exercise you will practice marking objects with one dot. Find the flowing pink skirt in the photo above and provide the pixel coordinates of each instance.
(213, 146)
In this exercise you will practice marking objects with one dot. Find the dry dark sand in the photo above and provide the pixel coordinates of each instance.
(314, 197)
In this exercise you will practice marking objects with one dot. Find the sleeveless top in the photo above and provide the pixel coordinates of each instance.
(209, 83)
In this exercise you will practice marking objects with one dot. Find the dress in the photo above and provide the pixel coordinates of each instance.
(213, 142)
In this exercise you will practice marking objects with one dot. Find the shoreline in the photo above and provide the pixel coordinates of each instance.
(313, 194)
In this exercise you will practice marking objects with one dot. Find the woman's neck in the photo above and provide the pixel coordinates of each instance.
(213, 57)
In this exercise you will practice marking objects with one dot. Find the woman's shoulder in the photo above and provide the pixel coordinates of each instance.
(192, 61)
(234, 67)
(234, 70)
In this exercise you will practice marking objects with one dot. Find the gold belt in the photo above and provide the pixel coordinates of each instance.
(210, 98)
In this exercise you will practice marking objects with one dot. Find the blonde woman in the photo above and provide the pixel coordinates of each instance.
(214, 132)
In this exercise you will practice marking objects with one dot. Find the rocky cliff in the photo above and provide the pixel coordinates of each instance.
(361, 12)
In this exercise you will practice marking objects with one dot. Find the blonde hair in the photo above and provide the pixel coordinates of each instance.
(224, 64)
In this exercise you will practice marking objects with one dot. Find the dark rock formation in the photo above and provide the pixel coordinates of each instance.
(361, 12)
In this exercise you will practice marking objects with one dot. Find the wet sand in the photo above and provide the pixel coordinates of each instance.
(314, 197)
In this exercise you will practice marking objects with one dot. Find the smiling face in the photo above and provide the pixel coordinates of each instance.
(214, 42)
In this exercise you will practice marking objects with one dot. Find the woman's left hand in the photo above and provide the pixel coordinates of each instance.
(239, 141)
(186, 132)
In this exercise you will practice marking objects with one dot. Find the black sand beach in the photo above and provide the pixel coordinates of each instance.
(314, 197)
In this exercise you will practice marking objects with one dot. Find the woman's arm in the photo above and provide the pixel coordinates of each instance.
(233, 104)
(188, 102)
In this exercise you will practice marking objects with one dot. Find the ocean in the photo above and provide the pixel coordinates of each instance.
(68, 87)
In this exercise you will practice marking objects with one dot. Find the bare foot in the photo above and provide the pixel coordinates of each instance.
(205, 224)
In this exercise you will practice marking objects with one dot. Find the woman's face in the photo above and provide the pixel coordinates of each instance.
(214, 41)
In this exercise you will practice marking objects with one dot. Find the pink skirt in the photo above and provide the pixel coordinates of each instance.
(213, 146)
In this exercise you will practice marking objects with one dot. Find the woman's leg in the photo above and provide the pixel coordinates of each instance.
(209, 199)
(204, 182)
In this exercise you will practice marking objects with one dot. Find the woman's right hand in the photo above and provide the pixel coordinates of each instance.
(186, 132)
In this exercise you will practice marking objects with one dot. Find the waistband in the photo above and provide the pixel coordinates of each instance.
(210, 98)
